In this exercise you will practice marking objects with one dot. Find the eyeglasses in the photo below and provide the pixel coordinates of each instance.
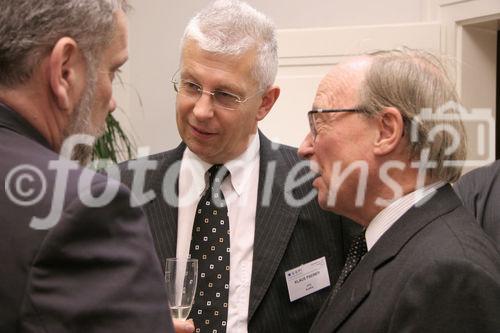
(220, 98)
(313, 114)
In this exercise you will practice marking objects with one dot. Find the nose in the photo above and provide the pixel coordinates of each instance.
(112, 104)
(306, 147)
(203, 108)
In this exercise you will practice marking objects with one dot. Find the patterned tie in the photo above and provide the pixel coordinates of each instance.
(210, 245)
(357, 250)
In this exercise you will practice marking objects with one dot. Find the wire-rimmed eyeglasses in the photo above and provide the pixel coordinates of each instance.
(311, 116)
(220, 98)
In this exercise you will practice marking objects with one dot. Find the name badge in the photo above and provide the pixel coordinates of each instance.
(307, 279)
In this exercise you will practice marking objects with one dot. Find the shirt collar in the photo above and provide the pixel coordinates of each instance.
(13, 121)
(239, 172)
(238, 167)
(389, 215)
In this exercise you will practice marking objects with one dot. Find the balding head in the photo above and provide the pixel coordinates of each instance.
(366, 111)
(341, 85)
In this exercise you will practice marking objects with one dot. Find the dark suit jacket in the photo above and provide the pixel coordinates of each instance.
(94, 271)
(434, 270)
(480, 194)
(285, 238)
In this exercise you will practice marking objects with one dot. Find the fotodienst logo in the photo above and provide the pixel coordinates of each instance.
(27, 185)
(479, 125)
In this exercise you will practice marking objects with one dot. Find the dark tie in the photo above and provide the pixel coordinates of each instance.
(210, 245)
(357, 250)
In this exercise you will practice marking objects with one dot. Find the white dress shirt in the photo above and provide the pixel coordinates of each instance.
(389, 215)
(240, 192)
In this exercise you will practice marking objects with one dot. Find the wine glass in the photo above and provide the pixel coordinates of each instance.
(181, 276)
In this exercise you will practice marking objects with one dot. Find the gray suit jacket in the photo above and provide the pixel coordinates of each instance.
(285, 237)
(480, 194)
(94, 271)
(434, 270)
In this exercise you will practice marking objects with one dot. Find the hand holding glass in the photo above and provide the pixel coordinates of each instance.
(181, 276)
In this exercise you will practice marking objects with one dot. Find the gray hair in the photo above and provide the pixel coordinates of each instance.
(414, 81)
(232, 27)
(29, 30)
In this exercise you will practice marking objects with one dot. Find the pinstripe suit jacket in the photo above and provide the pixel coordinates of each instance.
(285, 236)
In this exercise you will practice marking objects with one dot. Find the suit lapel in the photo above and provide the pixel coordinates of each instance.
(358, 285)
(274, 222)
(162, 211)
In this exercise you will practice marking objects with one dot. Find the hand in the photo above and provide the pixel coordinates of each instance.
(183, 326)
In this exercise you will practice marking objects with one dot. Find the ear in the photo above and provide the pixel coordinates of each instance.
(390, 128)
(268, 100)
(67, 73)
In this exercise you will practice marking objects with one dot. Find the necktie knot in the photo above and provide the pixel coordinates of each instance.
(356, 252)
(216, 174)
(358, 248)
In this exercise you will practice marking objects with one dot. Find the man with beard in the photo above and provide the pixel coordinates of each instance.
(91, 266)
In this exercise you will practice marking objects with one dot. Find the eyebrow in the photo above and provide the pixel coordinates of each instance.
(231, 88)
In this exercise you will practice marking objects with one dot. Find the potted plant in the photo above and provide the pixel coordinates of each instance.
(114, 145)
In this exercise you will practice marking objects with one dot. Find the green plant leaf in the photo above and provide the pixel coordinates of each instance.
(114, 145)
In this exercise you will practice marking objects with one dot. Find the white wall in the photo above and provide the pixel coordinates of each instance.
(156, 27)
(306, 56)
(469, 37)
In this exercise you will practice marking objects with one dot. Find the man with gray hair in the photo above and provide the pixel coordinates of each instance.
(93, 270)
(386, 137)
(262, 265)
